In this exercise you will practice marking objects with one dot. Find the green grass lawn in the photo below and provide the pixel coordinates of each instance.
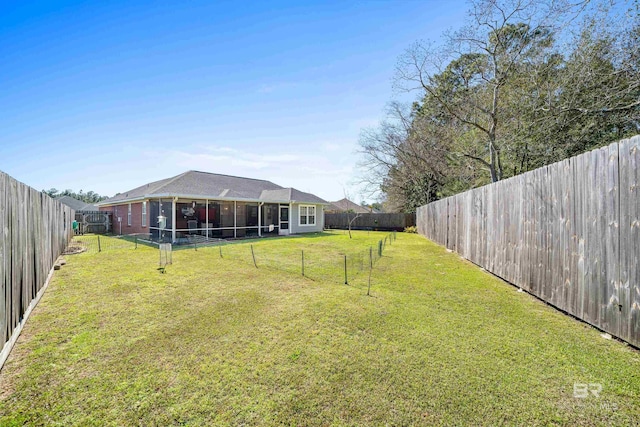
(215, 341)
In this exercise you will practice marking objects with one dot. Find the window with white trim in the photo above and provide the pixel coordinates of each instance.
(129, 214)
(307, 215)
(144, 214)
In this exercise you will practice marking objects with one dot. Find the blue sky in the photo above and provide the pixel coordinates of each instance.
(107, 96)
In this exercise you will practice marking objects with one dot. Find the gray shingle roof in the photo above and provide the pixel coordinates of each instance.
(213, 186)
(345, 205)
(75, 204)
(291, 195)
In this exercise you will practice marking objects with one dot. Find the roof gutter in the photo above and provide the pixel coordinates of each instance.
(197, 197)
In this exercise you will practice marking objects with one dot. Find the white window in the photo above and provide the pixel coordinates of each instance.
(129, 214)
(307, 215)
(144, 214)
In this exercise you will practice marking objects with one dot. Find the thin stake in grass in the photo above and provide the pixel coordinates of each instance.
(303, 262)
(346, 282)
(370, 269)
(220, 248)
(253, 255)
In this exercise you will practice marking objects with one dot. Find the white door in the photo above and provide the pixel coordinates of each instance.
(284, 220)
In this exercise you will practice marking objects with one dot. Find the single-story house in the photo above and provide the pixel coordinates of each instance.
(346, 205)
(77, 205)
(214, 205)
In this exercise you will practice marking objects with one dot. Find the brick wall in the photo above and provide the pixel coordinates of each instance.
(136, 218)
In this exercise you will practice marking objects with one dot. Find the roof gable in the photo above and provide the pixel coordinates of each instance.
(75, 204)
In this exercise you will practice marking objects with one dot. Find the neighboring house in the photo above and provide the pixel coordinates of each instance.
(214, 205)
(346, 205)
(77, 205)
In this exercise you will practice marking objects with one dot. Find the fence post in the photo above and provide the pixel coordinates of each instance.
(99, 247)
(346, 281)
(303, 262)
(370, 269)
(254, 257)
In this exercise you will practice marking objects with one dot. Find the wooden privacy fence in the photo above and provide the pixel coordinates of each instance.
(372, 221)
(35, 231)
(568, 232)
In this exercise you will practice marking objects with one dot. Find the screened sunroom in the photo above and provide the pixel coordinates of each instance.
(179, 219)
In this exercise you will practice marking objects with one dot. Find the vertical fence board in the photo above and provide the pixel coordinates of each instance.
(4, 255)
(610, 300)
(624, 199)
(632, 245)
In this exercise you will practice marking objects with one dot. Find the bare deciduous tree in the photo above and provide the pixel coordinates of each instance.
(522, 84)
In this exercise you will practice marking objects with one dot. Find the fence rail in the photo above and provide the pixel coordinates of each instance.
(35, 230)
(568, 232)
(370, 221)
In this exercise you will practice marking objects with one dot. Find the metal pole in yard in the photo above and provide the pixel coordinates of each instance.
(380, 248)
(370, 269)
(346, 282)
(195, 245)
(303, 262)
(254, 257)
(99, 247)
(220, 248)
(136, 243)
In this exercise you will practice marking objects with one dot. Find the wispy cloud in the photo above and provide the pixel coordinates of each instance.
(331, 146)
(277, 87)
(266, 88)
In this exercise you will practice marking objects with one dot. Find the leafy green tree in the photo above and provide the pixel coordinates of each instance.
(89, 197)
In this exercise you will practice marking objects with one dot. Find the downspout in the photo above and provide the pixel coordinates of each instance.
(119, 221)
(206, 218)
(173, 220)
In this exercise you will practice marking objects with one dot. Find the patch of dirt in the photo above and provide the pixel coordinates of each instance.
(74, 248)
